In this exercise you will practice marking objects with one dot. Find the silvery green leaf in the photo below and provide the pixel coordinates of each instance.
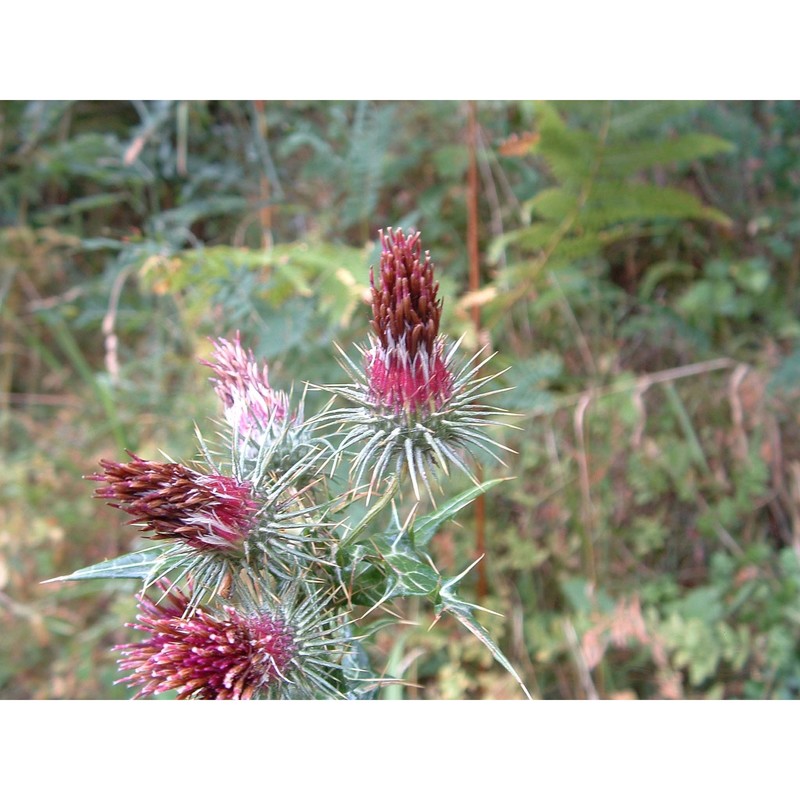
(138, 564)
(411, 576)
(426, 526)
(362, 530)
(357, 672)
(463, 613)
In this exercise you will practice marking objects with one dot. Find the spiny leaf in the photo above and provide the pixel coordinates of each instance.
(357, 672)
(426, 526)
(138, 564)
(361, 530)
(463, 613)
(412, 577)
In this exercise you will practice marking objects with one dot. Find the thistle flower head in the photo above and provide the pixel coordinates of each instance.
(264, 429)
(255, 651)
(231, 656)
(206, 512)
(252, 407)
(414, 411)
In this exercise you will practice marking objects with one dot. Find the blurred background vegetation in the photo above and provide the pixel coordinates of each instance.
(639, 269)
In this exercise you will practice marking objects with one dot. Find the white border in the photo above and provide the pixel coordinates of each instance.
(415, 50)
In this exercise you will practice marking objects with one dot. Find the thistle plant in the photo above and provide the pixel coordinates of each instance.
(264, 572)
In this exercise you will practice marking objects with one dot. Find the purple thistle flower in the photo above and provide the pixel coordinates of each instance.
(252, 407)
(229, 657)
(207, 512)
(413, 412)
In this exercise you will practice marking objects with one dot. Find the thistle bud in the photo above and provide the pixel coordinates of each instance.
(207, 512)
(405, 369)
(415, 413)
(252, 407)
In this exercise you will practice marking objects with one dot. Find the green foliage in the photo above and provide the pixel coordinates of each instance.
(600, 198)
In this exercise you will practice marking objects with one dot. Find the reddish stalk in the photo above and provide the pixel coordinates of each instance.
(265, 211)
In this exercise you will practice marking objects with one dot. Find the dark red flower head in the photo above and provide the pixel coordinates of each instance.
(205, 657)
(207, 512)
(404, 304)
(406, 371)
